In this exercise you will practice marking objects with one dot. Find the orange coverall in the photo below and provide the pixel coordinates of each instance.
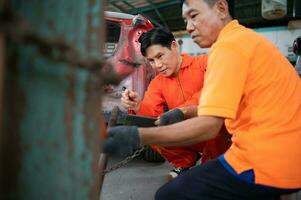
(182, 90)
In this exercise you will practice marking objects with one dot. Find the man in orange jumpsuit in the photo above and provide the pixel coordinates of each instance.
(177, 85)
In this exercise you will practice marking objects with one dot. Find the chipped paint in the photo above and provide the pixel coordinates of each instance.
(52, 110)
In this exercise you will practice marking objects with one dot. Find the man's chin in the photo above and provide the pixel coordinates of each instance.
(202, 44)
(197, 42)
(167, 74)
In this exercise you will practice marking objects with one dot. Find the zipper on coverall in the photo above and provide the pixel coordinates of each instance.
(182, 91)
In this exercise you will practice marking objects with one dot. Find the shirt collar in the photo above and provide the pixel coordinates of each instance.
(186, 60)
(229, 27)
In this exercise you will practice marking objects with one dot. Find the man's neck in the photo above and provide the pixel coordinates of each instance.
(180, 60)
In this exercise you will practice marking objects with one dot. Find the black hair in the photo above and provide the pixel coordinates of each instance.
(155, 36)
(212, 2)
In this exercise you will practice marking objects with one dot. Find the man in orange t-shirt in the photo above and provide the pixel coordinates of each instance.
(178, 84)
(251, 87)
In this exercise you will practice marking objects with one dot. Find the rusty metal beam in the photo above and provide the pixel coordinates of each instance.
(50, 139)
(157, 12)
(119, 7)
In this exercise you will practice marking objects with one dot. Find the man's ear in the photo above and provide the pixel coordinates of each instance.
(174, 45)
(222, 9)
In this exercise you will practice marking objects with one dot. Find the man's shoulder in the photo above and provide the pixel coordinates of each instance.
(202, 58)
(240, 36)
(186, 56)
(199, 61)
(159, 79)
(241, 40)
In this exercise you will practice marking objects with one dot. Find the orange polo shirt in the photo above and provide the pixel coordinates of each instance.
(254, 87)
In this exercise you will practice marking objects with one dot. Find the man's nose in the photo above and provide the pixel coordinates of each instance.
(189, 27)
(158, 64)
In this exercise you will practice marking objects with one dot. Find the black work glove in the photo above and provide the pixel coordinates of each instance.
(171, 117)
(122, 140)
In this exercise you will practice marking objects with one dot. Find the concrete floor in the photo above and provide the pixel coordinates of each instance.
(138, 180)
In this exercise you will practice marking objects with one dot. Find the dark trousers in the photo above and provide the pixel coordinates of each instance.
(211, 181)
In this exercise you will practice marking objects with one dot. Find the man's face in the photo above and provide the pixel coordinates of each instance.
(203, 23)
(163, 59)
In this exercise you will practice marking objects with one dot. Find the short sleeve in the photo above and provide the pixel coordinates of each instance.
(224, 81)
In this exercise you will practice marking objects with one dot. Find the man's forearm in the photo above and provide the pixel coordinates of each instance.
(184, 133)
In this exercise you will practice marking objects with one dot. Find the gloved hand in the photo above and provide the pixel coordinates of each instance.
(122, 140)
(171, 117)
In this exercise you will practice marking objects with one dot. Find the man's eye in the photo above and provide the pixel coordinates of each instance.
(159, 56)
(193, 16)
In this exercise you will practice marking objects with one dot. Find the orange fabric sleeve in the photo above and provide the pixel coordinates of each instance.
(224, 82)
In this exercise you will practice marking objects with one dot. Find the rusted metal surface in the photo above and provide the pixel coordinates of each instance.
(50, 143)
(56, 48)
(123, 32)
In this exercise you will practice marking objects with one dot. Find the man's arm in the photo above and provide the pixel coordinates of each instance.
(124, 140)
(153, 101)
(184, 133)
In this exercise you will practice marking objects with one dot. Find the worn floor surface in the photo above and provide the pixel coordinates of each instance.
(138, 180)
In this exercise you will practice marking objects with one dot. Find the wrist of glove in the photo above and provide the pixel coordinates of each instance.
(171, 117)
(122, 140)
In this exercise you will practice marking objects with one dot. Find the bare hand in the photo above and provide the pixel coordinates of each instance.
(130, 100)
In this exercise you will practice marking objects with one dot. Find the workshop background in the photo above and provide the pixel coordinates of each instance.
(52, 73)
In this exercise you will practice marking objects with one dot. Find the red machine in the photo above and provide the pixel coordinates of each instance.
(122, 50)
